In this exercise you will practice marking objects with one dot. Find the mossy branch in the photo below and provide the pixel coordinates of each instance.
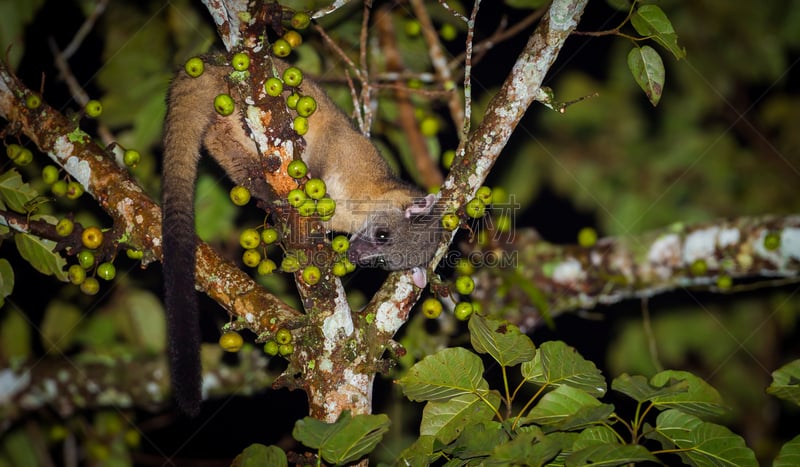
(542, 280)
(136, 217)
(125, 381)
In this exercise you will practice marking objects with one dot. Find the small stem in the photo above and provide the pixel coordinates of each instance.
(509, 400)
(437, 55)
(84, 30)
(366, 89)
(652, 343)
(496, 412)
(429, 174)
(527, 405)
(452, 11)
(468, 73)
(76, 90)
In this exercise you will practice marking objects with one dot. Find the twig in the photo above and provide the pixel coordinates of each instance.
(333, 45)
(468, 73)
(84, 30)
(362, 109)
(500, 35)
(430, 176)
(330, 8)
(438, 60)
(405, 75)
(366, 89)
(652, 342)
(22, 223)
(65, 72)
(76, 90)
(430, 93)
(359, 116)
(452, 11)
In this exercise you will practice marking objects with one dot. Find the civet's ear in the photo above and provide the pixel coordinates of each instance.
(420, 206)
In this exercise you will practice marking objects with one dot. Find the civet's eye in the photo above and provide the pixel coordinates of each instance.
(382, 236)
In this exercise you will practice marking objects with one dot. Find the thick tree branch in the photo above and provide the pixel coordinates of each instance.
(136, 217)
(228, 17)
(131, 381)
(478, 153)
(544, 279)
(332, 362)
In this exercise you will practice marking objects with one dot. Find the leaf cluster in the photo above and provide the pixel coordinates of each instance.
(644, 62)
(342, 442)
(555, 415)
(20, 197)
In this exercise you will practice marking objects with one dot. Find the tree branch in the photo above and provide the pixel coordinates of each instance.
(129, 381)
(136, 217)
(478, 153)
(544, 279)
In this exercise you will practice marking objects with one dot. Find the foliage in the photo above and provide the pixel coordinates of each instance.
(346, 440)
(554, 416)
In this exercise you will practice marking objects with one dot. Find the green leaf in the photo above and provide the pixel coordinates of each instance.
(99, 332)
(478, 440)
(558, 364)
(701, 443)
(6, 280)
(142, 320)
(586, 416)
(651, 21)
(312, 432)
(500, 339)
(419, 453)
(523, 177)
(559, 405)
(639, 389)
(595, 436)
(530, 448)
(14, 17)
(446, 419)
(4, 230)
(214, 213)
(610, 454)
(786, 383)
(257, 455)
(789, 455)
(15, 336)
(19, 448)
(446, 374)
(699, 399)
(648, 71)
(39, 253)
(59, 325)
(148, 118)
(621, 5)
(14, 192)
(134, 96)
(308, 59)
(346, 440)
